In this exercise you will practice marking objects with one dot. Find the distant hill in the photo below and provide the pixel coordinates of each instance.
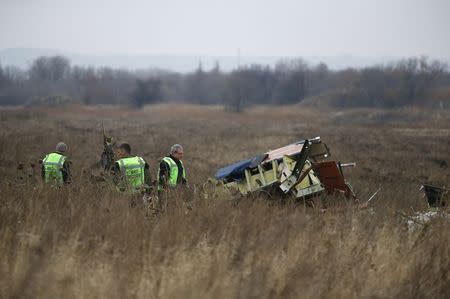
(23, 57)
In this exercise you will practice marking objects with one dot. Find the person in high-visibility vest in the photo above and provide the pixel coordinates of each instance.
(171, 171)
(56, 167)
(131, 174)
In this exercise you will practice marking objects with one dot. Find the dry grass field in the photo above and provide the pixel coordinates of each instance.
(85, 241)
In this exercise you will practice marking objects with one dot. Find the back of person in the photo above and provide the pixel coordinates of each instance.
(53, 168)
(133, 172)
(130, 173)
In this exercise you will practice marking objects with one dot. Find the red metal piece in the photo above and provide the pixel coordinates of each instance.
(332, 179)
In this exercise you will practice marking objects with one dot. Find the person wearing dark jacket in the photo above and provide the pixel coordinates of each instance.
(171, 171)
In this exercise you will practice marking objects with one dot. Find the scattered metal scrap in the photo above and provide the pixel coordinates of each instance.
(107, 157)
(437, 198)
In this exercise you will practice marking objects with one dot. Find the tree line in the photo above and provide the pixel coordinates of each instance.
(52, 80)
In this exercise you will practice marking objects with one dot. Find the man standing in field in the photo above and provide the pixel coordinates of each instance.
(171, 171)
(55, 167)
(131, 174)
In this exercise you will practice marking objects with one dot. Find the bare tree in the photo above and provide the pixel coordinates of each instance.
(50, 68)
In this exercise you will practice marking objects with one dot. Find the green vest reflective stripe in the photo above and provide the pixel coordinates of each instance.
(173, 172)
(53, 165)
(133, 170)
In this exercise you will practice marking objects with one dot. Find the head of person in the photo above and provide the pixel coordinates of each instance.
(123, 150)
(176, 151)
(61, 148)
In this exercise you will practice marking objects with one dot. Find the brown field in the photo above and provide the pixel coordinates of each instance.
(85, 241)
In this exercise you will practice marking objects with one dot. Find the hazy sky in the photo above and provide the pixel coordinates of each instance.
(207, 27)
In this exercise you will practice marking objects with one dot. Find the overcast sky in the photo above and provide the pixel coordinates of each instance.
(208, 27)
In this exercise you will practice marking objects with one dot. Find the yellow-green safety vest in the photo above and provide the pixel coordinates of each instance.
(173, 172)
(133, 171)
(53, 165)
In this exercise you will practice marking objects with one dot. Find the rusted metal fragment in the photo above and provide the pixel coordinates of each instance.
(331, 176)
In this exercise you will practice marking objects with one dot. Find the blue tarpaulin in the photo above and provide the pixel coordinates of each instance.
(235, 172)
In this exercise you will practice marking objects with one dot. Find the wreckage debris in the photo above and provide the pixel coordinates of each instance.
(437, 203)
(435, 195)
(300, 169)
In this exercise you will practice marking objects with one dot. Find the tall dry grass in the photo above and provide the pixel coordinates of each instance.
(85, 241)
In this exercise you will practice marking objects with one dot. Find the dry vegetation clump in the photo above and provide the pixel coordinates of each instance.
(85, 240)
